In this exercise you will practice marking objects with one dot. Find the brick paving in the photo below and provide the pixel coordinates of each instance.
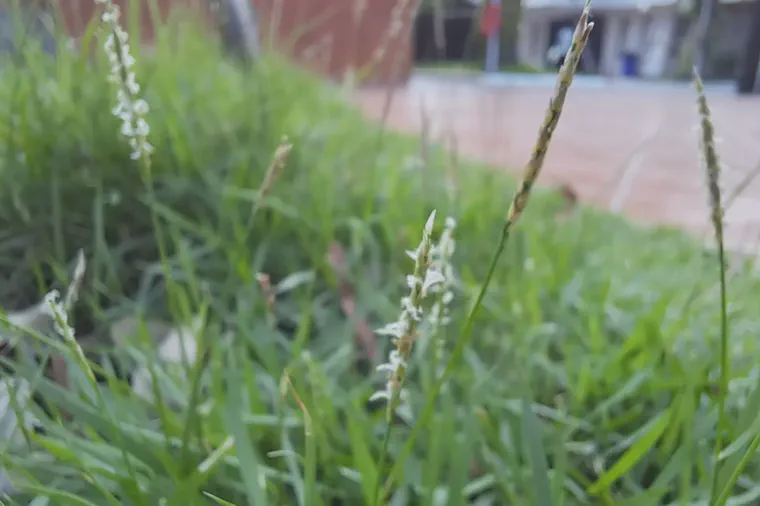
(626, 146)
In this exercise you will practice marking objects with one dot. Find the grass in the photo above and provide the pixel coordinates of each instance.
(592, 372)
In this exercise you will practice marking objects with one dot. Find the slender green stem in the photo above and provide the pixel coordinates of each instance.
(724, 371)
(191, 414)
(383, 458)
(146, 174)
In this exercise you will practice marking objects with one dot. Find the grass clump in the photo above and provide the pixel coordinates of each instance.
(586, 371)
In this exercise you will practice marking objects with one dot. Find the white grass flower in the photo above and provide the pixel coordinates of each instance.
(58, 311)
(440, 263)
(404, 330)
(129, 107)
(50, 313)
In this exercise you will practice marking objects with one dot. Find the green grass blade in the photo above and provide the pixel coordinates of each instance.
(725, 493)
(632, 456)
(364, 463)
(217, 500)
(62, 498)
(250, 464)
(536, 455)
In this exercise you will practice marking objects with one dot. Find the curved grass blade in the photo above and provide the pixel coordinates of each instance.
(632, 456)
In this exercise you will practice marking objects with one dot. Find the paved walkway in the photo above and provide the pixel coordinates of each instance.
(623, 145)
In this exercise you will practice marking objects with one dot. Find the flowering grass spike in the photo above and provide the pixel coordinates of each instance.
(440, 261)
(711, 165)
(404, 330)
(130, 108)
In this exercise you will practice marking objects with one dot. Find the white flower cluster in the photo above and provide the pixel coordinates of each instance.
(440, 261)
(427, 278)
(439, 313)
(129, 108)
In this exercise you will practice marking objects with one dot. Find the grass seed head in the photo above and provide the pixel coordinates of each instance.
(553, 112)
(404, 330)
(130, 108)
(709, 157)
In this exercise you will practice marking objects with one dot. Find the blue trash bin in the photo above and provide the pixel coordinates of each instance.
(630, 64)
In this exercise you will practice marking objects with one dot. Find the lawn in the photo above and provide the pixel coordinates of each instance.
(592, 372)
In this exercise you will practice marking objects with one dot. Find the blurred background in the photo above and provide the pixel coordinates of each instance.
(481, 71)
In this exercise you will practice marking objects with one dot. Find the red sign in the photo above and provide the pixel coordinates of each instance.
(491, 19)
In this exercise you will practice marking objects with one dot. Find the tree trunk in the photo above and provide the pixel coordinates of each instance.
(745, 82)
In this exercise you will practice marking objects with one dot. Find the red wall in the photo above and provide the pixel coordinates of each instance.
(323, 35)
(327, 35)
(78, 13)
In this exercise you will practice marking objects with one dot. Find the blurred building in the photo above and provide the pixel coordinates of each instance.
(635, 37)
(456, 25)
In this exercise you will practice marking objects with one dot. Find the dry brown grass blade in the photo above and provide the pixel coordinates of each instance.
(363, 334)
(743, 184)
(570, 199)
(619, 186)
(265, 283)
(285, 385)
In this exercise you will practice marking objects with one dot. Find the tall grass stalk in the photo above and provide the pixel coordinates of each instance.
(518, 205)
(712, 169)
(404, 333)
(132, 110)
